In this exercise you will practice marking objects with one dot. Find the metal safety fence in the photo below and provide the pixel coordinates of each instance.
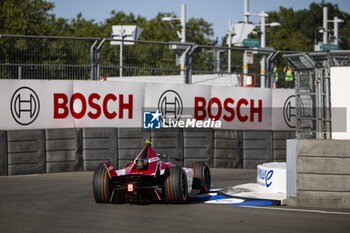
(115, 58)
(80, 58)
(312, 91)
(47, 57)
(38, 57)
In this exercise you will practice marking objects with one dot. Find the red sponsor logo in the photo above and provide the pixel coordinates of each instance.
(244, 110)
(93, 106)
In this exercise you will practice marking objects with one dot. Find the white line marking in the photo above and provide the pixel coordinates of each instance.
(225, 201)
(297, 210)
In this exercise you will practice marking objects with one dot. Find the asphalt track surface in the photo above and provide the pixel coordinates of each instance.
(63, 202)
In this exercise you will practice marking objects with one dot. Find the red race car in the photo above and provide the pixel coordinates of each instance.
(148, 178)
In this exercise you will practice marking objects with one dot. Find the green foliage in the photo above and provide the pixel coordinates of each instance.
(158, 30)
(199, 31)
(33, 17)
(345, 35)
(25, 17)
(287, 41)
(300, 29)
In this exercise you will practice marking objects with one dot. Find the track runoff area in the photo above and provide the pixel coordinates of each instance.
(63, 202)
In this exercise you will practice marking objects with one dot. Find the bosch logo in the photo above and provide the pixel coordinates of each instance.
(170, 106)
(92, 106)
(289, 111)
(25, 106)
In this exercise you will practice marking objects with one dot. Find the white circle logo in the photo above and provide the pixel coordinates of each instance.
(170, 106)
(25, 106)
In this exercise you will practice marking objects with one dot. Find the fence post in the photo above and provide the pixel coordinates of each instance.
(188, 74)
(188, 69)
(98, 58)
(93, 61)
(19, 72)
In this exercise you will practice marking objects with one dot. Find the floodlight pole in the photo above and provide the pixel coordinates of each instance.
(263, 15)
(121, 53)
(246, 21)
(183, 39)
(246, 11)
(336, 29)
(325, 25)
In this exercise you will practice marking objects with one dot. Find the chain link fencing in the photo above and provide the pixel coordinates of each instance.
(141, 58)
(34, 57)
(47, 57)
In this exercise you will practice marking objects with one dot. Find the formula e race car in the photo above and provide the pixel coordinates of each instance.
(150, 177)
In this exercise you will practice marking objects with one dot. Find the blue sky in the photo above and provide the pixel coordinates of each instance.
(216, 12)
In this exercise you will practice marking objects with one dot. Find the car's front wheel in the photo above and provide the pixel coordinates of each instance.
(201, 177)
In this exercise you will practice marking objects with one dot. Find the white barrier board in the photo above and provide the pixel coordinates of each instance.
(37, 104)
(272, 177)
(340, 82)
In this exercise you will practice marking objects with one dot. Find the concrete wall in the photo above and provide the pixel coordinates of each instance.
(63, 150)
(66, 150)
(257, 148)
(3, 153)
(169, 141)
(228, 148)
(99, 145)
(130, 142)
(279, 144)
(198, 146)
(26, 152)
(322, 174)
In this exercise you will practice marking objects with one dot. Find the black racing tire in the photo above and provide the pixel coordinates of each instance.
(101, 185)
(175, 186)
(201, 177)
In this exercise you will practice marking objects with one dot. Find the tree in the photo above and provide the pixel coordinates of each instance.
(120, 18)
(26, 17)
(300, 29)
(77, 27)
(33, 17)
(197, 30)
(157, 30)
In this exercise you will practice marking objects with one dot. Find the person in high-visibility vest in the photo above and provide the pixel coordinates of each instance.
(275, 77)
(288, 70)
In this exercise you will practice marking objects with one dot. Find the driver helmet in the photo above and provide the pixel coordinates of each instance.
(141, 164)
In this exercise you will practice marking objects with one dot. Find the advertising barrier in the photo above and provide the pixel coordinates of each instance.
(272, 177)
(38, 104)
(340, 102)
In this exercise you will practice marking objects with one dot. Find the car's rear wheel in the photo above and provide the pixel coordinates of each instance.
(175, 186)
(201, 177)
(101, 185)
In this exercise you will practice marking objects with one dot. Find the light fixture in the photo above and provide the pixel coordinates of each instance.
(167, 19)
(274, 24)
